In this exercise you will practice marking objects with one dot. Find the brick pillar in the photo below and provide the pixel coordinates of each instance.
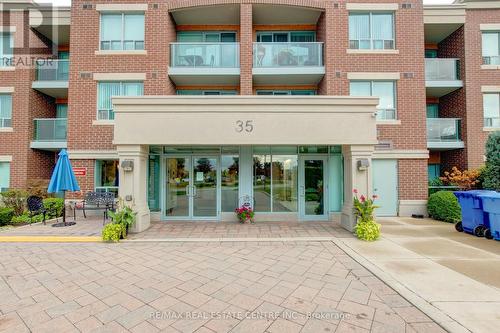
(246, 45)
(413, 186)
(324, 35)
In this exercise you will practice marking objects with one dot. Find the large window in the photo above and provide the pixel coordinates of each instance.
(5, 110)
(106, 176)
(4, 176)
(206, 92)
(491, 110)
(6, 46)
(229, 182)
(286, 92)
(373, 31)
(491, 47)
(122, 32)
(206, 37)
(286, 36)
(275, 179)
(386, 92)
(106, 90)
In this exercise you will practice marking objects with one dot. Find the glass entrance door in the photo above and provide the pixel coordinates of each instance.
(191, 190)
(204, 187)
(312, 188)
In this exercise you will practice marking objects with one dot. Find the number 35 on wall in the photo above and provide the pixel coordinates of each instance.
(244, 125)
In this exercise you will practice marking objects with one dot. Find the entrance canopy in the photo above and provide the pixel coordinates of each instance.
(245, 120)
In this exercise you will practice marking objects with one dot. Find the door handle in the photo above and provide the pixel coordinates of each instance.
(195, 191)
(188, 190)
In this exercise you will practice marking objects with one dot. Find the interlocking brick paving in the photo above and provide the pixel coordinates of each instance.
(196, 287)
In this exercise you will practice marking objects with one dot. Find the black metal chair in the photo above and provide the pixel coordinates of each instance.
(96, 201)
(35, 207)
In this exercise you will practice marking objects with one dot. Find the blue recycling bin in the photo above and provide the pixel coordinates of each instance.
(491, 206)
(474, 220)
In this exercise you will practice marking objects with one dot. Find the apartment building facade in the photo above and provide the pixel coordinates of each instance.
(190, 109)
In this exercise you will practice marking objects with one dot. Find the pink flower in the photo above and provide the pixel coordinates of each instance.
(355, 191)
(362, 198)
(375, 196)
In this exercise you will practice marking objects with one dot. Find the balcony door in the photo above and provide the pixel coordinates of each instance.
(192, 188)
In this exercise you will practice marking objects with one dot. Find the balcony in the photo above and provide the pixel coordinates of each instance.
(442, 76)
(287, 63)
(444, 134)
(204, 63)
(50, 134)
(52, 78)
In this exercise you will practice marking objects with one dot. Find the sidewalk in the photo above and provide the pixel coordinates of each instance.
(453, 272)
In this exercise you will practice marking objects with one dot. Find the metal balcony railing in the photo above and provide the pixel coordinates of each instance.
(287, 54)
(53, 70)
(439, 69)
(50, 129)
(443, 130)
(205, 55)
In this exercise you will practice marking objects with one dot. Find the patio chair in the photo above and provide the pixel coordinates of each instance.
(104, 201)
(35, 207)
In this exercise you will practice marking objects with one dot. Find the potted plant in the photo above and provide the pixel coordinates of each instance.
(245, 214)
(123, 216)
(366, 228)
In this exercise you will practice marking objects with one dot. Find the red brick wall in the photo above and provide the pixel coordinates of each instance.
(475, 78)
(246, 49)
(82, 97)
(412, 179)
(27, 104)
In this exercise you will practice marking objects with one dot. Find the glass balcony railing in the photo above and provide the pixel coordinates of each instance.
(491, 60)
(53, 70)
(287, 54)
(439, 69)
(51, 129)
(205, 55)
(443, 130)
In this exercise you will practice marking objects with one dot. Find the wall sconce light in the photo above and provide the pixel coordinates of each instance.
(128, 165)
(363, 164)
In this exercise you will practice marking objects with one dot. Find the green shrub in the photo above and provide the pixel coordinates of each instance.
(112, 232)
(491, 179)
(26, 219)
(368, 231)
(54, 207)
(443, 206)
(15, 199)
(6, 215)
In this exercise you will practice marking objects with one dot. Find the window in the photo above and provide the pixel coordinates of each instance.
(286, 37)
(431, 53)
(6, 48)
(5, 110)
(206, 37)
(432, 110)
(491, 110)
(106, 90)
(491, 46)
(433, 171)
(106, 176)
(385, 90)
(275, 179)
(371, 31)
(286, 92)
(62, 111)
(4, 176)
(206, 92)
(229, 182)
(122, 32)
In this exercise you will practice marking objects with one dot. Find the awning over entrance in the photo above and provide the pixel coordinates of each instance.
(216, 120)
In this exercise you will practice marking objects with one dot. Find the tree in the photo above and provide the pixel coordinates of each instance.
(492, 170)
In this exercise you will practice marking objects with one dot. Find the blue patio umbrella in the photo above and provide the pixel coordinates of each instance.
(63, 179)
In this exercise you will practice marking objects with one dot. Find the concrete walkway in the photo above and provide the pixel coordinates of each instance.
(455, 273)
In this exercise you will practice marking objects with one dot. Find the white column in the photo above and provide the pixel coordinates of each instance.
(133, 184)
(355, 179)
